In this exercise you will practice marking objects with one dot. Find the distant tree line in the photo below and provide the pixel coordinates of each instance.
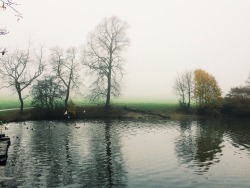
(53, 78)
(237, 101)
(206, 94)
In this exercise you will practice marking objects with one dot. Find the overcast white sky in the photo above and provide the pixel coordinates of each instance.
(167, 37)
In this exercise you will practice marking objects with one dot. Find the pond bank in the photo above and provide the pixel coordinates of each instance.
(99, 112)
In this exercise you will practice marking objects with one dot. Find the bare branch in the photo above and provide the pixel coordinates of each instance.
(183, 88)
(11, 5)
(66, 66)
(19, 69)
(103, 57)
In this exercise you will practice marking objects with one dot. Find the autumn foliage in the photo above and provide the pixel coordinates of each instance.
(207, 93)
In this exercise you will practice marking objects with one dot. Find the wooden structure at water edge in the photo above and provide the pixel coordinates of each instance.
(4, 146)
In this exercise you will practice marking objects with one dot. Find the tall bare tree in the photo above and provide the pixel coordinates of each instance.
(66, 66)
(183, 87)
(188, 80)
(180, 89)
(19, 69)
(103, 57)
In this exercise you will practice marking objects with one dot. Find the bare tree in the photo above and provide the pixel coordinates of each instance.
(183, 87)
(103, 57)
(180, 89)
(8, 4)
(66, 67)
(19, 70)
(188, 80)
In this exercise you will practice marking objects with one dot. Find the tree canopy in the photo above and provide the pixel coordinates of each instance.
(207, 93)
(46, 93)
(237, 101)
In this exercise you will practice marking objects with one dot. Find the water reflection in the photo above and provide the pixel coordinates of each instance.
(200, 144)
(106, 151)
(238, 132)
(61, 155)
(127, 153)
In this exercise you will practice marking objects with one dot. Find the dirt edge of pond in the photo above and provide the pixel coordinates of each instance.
(99, 112)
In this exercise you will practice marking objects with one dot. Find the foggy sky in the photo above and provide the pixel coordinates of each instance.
(167, 37)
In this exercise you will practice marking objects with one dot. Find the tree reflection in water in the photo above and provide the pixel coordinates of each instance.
(58, 156)
(107, 158)
(199, 144)
(92, 154)
(238, 131)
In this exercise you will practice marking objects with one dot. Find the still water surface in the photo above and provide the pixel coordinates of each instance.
(204, 153)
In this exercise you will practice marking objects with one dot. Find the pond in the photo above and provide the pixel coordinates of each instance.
(203, 153)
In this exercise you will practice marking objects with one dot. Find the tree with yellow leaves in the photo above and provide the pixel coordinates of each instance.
(71, 109)
(207, 93)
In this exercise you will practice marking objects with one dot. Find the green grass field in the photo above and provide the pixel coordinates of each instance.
(147, 105)
(12, 103)
(139, 104)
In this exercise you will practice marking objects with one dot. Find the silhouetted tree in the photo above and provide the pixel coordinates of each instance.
(237, 101)
(47, 93)
(103, 56)
(65, 65)
(179, 89)
(19, 70)
(183, 87)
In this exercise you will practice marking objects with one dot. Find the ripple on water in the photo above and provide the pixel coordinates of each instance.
(127, 153)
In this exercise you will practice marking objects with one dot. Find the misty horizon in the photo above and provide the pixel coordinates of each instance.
(166, 37)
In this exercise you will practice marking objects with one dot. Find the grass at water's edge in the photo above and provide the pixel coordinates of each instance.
(118, 110)
(93, 111)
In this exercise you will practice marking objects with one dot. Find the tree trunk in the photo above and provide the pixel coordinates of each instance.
(66, 98)
(21, 101)
(107, 106)
(189, 99)
(68, 90)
